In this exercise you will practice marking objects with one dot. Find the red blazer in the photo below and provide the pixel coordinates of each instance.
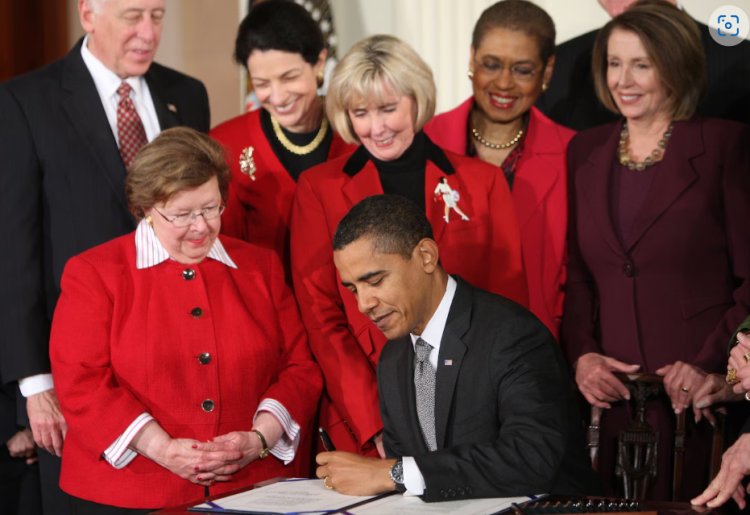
(258, 210)
(125, 341)
(679, 291)
(540, 197)
(484, 250)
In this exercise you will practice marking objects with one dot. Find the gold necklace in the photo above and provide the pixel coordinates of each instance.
(497, 146)
(657, 154)
(300, 150)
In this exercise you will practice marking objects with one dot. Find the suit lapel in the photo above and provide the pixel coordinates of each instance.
(166, 108)
(86, 114)
(592, 179)
(452, 350)
(405, 383)
(364, 183)
(674, 176)
(536, 174)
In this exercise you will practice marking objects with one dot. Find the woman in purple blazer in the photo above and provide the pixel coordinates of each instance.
(659, 238)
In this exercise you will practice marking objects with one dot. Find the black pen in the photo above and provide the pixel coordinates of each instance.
(327, 443)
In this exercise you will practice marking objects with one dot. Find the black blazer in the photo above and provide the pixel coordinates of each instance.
(571, 101)
(62, 189)
(505, 416)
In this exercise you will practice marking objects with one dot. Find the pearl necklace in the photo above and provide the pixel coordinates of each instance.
(497, 146)
(656, 155)
(299, 150)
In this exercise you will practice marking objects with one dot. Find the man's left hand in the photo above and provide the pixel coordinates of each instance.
(352, 474)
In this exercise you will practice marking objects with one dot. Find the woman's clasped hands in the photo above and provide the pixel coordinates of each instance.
(205, 463)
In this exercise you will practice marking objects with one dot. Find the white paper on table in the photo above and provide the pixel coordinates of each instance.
(406, 505)
(290, 496)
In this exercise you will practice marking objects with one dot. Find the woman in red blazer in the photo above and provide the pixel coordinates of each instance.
(179, 358)
(659, 240)
(283, 49)
(381, 94)
(511, 63)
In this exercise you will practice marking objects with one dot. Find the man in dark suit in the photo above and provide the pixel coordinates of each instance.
(66, 133)
(475, 397)
(570, 99)
(19, 472)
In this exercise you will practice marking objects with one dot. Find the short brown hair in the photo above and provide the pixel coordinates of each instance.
(371, 65)
(177, 159)
(673, 42)
(518, 15)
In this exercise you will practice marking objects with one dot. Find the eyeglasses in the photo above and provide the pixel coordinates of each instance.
(520, 72)
(187, 219)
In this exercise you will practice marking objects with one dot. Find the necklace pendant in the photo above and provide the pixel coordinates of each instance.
(247, 163)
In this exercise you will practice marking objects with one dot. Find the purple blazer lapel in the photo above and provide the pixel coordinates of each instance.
(592, 180)
(675, 175)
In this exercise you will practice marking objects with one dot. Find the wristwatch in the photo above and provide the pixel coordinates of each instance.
(397, 475)
(264, 450)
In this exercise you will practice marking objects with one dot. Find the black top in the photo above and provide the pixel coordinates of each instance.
(405, 175)
(296, 164)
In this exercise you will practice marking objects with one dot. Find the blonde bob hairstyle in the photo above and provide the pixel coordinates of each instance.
(368, 70)
(178, 159)
(672, 41)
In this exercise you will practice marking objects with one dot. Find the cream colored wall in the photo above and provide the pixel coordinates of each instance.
(198, 36)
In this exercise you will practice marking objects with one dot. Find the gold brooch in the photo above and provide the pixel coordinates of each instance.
(247, 163)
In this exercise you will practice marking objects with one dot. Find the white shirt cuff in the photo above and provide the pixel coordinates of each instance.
(286, 447)
(413, 479)
(35, 384)
(119, 454)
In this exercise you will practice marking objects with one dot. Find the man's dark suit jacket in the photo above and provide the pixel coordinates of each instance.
(571, 101)
(62, 189)
(505, 416)
(19, 482)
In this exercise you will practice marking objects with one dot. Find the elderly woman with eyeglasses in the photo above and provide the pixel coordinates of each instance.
(179, 357)
(510, 64)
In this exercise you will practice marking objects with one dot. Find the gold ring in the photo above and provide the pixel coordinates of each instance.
(684, 389)
(731, 378)
(747, 396)
(746, 356)
(325, 483)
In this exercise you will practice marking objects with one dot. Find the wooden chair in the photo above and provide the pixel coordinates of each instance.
(637, 445)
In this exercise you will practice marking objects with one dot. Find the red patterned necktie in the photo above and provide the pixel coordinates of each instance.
(130, 131)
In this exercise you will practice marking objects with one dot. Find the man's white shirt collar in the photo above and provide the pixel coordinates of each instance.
(150, 252)
(105, 79)
(433, 331)
(106, 82)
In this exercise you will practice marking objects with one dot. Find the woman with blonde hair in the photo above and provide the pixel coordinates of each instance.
(380, 96)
